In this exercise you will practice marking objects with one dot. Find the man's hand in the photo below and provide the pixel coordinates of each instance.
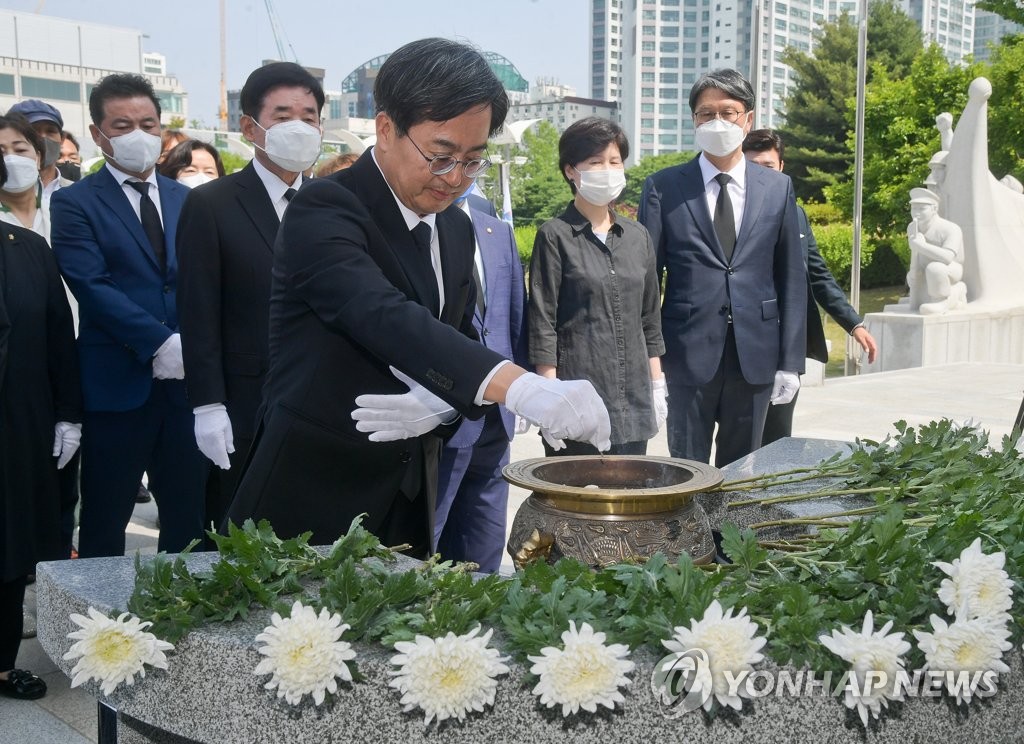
(213, 434)
(561, 409)
(167, 362)
(867, 342)
(66, 439)
(659, 394)
(401, 416)
(786, 386)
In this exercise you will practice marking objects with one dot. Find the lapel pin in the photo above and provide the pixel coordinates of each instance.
(489, 230)
(10, 236)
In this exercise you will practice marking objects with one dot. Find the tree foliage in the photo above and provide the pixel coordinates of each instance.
(818, 105)
(538, 190)
(1011, 10)
(1005, 124)
(650, 165)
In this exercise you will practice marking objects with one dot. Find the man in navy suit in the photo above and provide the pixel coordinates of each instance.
(472, 496)
(735, 305)
(113, 236)
(765, 147)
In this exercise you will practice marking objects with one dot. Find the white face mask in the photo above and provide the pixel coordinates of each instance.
(22, 173)
(292, 145)
(601, 187)
(719, 137)
(135, 152)
(196, 179)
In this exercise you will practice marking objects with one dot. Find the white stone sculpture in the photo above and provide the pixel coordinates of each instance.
(936, 258)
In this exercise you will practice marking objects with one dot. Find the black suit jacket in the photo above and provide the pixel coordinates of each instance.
(225, 247)
(342, 309)
(823, 290)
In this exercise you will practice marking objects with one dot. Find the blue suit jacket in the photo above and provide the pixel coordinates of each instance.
(502, 325)
(126, 301)
(763, 288)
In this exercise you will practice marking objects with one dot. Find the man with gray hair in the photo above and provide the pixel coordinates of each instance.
(735, 308)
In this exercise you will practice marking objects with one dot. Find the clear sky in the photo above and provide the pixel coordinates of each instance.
(541, 37)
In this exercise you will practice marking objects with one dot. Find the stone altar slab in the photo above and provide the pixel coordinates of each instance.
(210, 695)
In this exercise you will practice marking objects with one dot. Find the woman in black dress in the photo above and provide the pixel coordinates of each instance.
(40, 429)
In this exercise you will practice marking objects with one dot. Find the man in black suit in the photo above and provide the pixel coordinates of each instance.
(366, 264)
(735, 305)
(765, 147)
(225, 249)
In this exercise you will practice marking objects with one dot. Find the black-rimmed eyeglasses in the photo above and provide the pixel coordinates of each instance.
(440, 165)
(729, 115)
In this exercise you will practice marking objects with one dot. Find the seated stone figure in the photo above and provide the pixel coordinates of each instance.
(936, 258)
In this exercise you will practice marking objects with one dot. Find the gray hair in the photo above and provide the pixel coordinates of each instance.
(731, 82)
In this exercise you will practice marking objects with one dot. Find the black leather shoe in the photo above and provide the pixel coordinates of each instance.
(22, 685)
(143, 496)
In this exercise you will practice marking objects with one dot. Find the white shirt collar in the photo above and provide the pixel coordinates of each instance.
(708, 171)
(275, 186)
(411, 218)
(120, 176)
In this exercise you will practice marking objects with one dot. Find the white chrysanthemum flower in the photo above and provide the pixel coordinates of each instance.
(731, 644)
(965, 645)
(447, 677)
(113, 651)
(867, 651)
(584, 673)
(979, 581)
(304, 654)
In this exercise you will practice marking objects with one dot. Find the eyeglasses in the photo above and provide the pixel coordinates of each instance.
(439, 165)
(729, 115)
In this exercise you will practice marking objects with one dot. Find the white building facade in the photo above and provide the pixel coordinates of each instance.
(60, 61)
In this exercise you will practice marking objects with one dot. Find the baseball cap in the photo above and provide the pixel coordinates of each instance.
(35, 110)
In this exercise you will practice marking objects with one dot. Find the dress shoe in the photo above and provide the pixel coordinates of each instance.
(143, 496)
(22, 685)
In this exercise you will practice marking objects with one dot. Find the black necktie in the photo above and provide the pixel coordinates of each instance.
(151, 222)
(289, 194)
(481, 300)
(424, 268)
(725, 222)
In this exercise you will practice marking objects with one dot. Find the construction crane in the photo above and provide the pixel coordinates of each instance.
(280, 38)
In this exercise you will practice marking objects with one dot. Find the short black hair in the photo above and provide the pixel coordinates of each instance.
(3, 173)
(179, 157)
(588, 137)
(763, 140)
(264, 79)
(20, 124)
(437, 80)
(66, 135)
(731, 82)
(120, 85)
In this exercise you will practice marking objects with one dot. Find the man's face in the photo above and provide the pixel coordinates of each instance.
(407, 171)
(68, 152)
(768, 158)
(124, 115)
(712, 101)
(279, 105)
(47, 129)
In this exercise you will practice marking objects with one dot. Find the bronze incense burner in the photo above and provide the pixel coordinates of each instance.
(609, 509)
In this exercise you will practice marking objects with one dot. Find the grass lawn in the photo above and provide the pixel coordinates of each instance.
(871, 300)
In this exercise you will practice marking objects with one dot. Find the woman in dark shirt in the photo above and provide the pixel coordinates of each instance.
(595, 303)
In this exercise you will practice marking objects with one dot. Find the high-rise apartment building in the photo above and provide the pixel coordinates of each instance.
(989, 30)
(646, 54)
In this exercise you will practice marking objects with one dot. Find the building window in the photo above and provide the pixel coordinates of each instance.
(647, 123)
(670, 47)
(645, 108)
(668, 108)
(669, 93)
(647, 92)
(62, 90)
(671, 63)
(668, 78)
(646, 77)
(668, 139)
(646, 46)
(6, 85)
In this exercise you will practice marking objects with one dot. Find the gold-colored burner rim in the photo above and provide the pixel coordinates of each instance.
(613, 501)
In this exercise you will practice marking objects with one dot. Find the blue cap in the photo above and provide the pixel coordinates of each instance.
(35, 110)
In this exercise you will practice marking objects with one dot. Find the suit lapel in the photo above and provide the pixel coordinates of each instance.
(172, 197)
(110, 192)
(255, 202)
(753, 202)
(695, 198)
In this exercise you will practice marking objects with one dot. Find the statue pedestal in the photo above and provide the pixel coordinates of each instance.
(907, 340)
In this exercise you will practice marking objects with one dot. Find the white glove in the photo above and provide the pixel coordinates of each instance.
(659, 396)
(522, 425)
(213, 434)
(403, 415)
(167, 362)
(66, 438)
(561, 409)
(786, 386)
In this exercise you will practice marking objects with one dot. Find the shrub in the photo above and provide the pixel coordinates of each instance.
(835, 241)
(525, 235)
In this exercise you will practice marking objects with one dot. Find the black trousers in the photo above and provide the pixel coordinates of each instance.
(12, 598)
(779, 422)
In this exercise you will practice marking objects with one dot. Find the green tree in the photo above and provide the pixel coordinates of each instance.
(650, 165)
(824, 92)
(900, 136)
(538, 190)
(176, 122)
(1005, 124)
